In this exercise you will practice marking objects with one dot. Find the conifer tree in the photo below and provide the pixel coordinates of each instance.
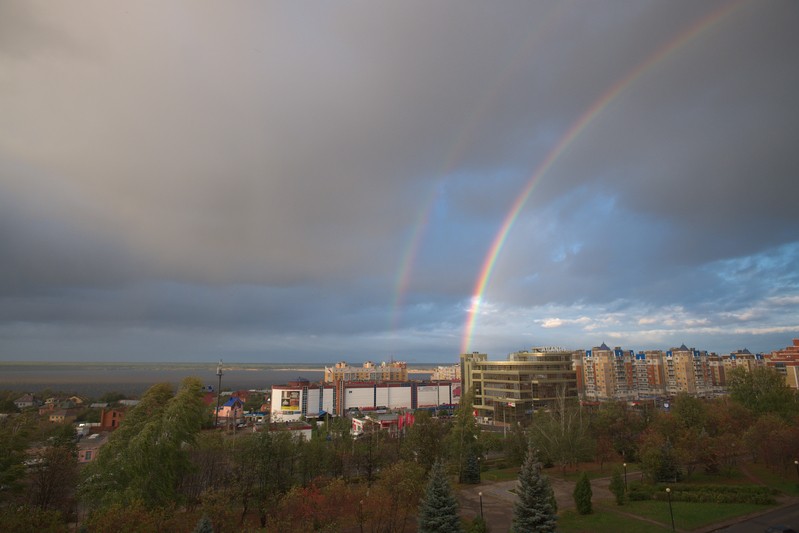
(471, 470)
(533, 510)
(582, 494)
(204, 526)
(438, 510)
(617, 486)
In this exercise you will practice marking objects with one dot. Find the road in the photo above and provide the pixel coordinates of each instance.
(788, 516)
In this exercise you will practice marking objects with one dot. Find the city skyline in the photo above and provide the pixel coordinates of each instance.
(278, 182)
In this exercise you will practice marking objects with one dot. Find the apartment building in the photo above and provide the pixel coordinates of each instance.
(649, 374)
(391, 371)
(786, 362)
(743, 359)
(510, 391)
(446, 373)
(609, 374)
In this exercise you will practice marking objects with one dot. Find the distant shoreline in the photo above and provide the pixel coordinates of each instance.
(415, 369)
(94, 379)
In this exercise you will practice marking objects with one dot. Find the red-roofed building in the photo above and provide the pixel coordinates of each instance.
(111, 418)
(786, 362)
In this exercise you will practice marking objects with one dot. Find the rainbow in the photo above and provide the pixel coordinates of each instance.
(577, 127)
(539, 33)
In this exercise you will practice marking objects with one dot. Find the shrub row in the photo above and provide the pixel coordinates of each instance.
(706, 494)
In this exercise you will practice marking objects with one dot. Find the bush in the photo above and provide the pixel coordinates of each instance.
(716, 494)
(639, 495)
(617, 486)
(582, 494)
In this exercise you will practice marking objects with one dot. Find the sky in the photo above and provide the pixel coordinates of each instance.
(357, 180)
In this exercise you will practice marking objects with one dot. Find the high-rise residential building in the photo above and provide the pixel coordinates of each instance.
(743, 359)
(608, 374)
(786, 362)
(718, 373)
(450, 372)
(509, 391)
(649, 374)
(688, 370)
(391, 371)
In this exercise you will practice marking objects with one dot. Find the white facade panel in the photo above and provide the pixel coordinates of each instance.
(428, 396)
(399, 398)
(359, 397)
(381, 396)
(327, 399)
(313, 402)
(450, 393)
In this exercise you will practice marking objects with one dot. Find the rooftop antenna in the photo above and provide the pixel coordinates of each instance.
(218, 392)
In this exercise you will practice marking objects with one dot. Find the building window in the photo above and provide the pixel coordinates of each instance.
(88, 455)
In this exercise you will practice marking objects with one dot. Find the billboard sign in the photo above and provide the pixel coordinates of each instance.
(290, 401)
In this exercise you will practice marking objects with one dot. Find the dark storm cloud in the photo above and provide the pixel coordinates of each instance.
(257, 172)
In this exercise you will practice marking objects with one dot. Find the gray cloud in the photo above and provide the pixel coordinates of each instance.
(258, 171)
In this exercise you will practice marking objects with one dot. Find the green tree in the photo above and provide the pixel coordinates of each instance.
(516, 444)
(562, 434)
(31, 519)
(53, 473)
(659, 461)
(147, 457)
(264, 470)
(763, 390)
(582, 494)
(478, 525)
(463, 440)
(204, 526)
(392, 500)
(616, 426)
(533, 510)
(425, 441)
(15, 434)
(471, 469)
(438, 511)
(7, 404)
(617, 486)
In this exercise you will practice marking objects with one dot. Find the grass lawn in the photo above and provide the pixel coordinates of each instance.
(602, 521)
(689, 515)
(593, 471)
(734, 477)
(500, 474)
(786, 481)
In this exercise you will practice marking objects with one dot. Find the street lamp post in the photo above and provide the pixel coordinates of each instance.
(481, 503)
(625, 476)
(218, 392)
(796, 464)
(671, 511)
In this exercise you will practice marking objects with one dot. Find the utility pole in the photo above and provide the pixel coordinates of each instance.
(218, 392)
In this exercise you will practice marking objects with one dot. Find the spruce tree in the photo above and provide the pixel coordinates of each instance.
(478, 525)
(438, 510)
(471, 470)
(617, 486)
(204, 526)
(533, 510)
(582, 494)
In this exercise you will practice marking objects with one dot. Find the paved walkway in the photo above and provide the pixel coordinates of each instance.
(498, 501)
